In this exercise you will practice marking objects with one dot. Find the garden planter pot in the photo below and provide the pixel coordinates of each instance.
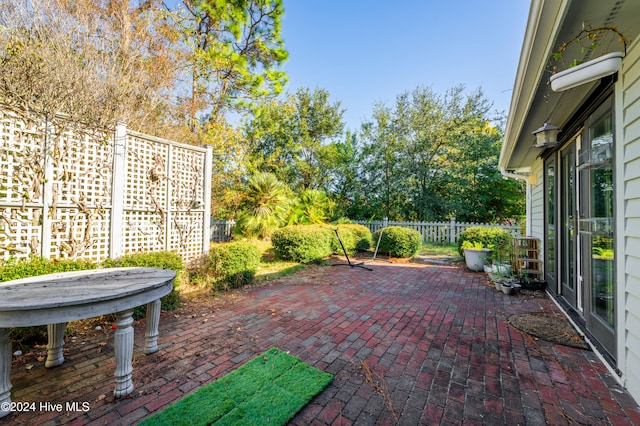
(584, 73)
(476, 259)
(503, 269)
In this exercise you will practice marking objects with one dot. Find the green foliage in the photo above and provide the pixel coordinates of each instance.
(303, 243)
(232, 265)
(398, 241)
(354, 238)
(234, 53)
(491, 238)
(265, 207)
(428, 157)
(288, 138)
(161, 259)
(310, 207)
(15, 269)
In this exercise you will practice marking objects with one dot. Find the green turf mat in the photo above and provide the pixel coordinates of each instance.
(269, 389)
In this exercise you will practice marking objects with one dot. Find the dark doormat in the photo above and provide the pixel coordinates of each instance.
(550, 328)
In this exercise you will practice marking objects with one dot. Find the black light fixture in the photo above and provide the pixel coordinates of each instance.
(546, 136)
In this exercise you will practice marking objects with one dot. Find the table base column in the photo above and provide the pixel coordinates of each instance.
(123, 347)
(5, 371)
(55, 345)
(153, 319)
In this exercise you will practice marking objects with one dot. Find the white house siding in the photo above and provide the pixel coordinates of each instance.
(537, 204)
(629, 80)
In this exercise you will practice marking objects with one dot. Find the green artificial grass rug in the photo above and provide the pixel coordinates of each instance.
(268, 390)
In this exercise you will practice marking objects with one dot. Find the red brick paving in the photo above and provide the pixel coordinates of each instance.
(429, 343)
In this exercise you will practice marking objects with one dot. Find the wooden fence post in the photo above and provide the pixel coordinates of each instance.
(452, 229)
(118, 183)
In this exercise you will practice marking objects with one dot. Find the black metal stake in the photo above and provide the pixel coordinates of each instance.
(359, 265)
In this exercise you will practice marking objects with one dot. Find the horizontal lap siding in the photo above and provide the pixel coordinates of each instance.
(630, 78)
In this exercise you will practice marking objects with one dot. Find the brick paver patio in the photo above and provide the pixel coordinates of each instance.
(408, 344)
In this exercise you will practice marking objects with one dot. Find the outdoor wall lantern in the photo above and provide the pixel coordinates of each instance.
(546, 136)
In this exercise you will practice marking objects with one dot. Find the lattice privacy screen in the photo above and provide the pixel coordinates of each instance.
(65, 193)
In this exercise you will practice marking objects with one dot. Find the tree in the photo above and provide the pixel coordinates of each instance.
(431, 157)
(289, 137)
(97, 63)
(265, 207)
(232, 51)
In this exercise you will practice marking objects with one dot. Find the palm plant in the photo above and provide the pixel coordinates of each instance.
(265, 208)
(311, 206)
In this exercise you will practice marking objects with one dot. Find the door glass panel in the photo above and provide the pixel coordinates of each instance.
(598, 223)
(568, 219)
(602, 214)
(550, 243)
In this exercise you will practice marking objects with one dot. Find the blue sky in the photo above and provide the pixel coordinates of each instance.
(368, 51)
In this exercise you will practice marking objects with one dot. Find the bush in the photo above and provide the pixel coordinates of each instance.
(354, 238)
(162, 259)
(303, 243)
(15, 269)
(399, 242)
(491, 238)
(232, 265)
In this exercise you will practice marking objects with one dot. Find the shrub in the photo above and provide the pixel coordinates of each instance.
(354, 238)
(232, 265)
(303, 243)
(162, 259)
(492, 238)
(13, 269)
(398, 241)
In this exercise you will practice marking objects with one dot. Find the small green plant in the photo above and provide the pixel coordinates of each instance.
(590, 40)
(474, 245)
(398, 241)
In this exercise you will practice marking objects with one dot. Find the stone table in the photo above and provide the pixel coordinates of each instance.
(54, 299)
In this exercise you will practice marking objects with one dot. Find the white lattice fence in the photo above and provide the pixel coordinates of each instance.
(75, 193)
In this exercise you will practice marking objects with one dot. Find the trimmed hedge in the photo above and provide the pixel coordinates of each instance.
(303, 243)
(359, 237)
(14, 269)
(399, 242)
(232, 265)
(161, 259)
(312, 243)
(493, 238)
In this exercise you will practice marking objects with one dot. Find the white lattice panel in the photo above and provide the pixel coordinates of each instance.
(186, 179)
(77, 234)
(21, 161)
(186, 234)
(82, 168)
(143, 231)
(19, 232)
(146, 175)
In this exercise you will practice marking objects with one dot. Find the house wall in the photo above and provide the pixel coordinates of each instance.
(628, 115)
(537, 203)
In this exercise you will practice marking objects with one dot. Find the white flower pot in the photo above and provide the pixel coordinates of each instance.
(476, 259)
(584, 73)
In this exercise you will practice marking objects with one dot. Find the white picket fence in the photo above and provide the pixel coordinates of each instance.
(432, 232)
(437, 232)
